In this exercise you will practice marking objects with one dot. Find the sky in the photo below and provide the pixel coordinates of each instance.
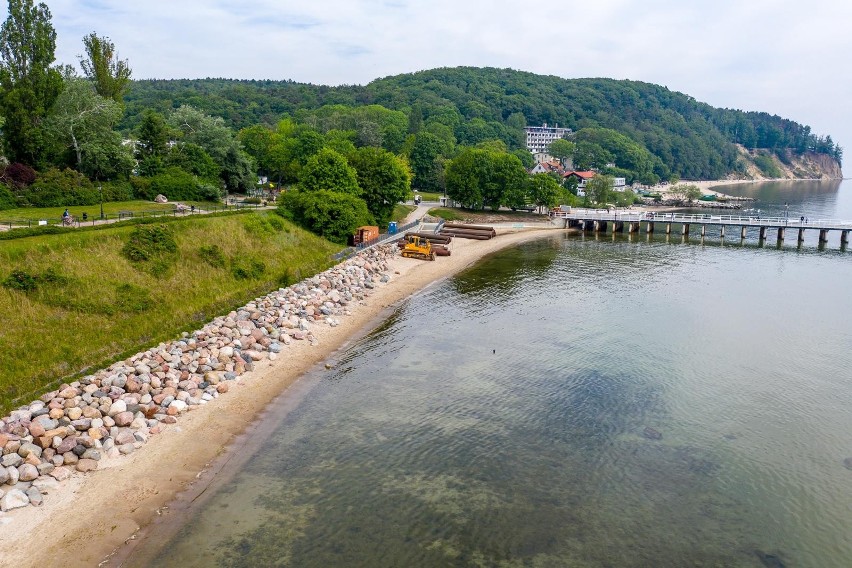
(790, 58)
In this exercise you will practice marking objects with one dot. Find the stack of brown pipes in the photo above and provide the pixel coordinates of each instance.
(439, 242)
(478, 232)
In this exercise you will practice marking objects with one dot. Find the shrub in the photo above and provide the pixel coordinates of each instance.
(175, 184)
(20, 280)
(329, 214)
(148, 242)
(142, 188)
(767, 166)
(258, 225)
(212, 255)
(117, 191)
(18, 175)
(59, 188)
(7, 198)
(245, 269)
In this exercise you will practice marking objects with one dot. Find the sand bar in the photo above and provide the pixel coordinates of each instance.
(91, 516)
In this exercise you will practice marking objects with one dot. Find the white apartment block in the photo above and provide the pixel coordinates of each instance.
(540, 137)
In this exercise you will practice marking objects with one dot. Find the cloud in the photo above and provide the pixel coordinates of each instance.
(776, 56)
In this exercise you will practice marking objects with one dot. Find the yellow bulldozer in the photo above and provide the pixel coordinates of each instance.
(418, 247)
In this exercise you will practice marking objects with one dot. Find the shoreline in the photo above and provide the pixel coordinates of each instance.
(108, 507)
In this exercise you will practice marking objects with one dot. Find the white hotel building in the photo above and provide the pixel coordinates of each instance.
(540, 137)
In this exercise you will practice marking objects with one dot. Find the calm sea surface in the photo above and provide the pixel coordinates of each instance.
(508, 416)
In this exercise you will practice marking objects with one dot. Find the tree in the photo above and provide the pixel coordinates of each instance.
(109, 74)
(330, 214)
(193, 159)
(425, 160)
(238, 170)
(463, 180)
(152, 135)
(329, 171)
(561, 149)
(384, 180)
(544, 191)
(684, 192)
(599, 188)
(83, 122)
(29, 84)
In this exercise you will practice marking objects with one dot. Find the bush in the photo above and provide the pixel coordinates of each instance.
(142, 188)
(212, 255)
(258, 225)
(59, 188)
(767, 166)
(18, 175)
(7, 198)
(329, 214)
(175, 184)
(21, 281)
(117, 191)
(245, 269)
(149, 242)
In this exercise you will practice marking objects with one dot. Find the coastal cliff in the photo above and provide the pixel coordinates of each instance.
(762, 164)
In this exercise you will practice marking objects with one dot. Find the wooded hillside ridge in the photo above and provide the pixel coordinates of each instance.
(691, 139)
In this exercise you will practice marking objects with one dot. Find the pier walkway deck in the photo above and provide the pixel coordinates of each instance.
(599, 220)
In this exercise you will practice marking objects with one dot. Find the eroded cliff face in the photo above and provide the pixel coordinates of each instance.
(806, 166)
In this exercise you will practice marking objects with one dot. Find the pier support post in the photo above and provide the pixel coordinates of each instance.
(780, 233)
(668, 228)
(844, 237)
(743, 232)
(684, 229)
(801, 235)
(703, 230)
(634, 227)
(763, 233)
(618, 226)
(722, 231)
(823, 235)
(649, 228)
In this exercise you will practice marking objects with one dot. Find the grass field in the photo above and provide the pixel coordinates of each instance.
(72, 301)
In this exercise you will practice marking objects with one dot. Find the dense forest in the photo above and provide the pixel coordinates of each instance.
(691, 139)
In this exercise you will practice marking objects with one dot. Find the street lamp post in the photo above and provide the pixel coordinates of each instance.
(101, 193)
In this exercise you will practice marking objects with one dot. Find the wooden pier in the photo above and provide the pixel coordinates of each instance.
(619, 221)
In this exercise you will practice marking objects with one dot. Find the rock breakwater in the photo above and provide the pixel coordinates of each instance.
(79, 426)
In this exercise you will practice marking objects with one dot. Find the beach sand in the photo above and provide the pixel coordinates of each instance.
(92, 516)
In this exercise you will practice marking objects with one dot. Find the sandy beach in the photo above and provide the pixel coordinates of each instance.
(91, 516)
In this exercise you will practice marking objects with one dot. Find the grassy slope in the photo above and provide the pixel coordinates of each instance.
(104, 307)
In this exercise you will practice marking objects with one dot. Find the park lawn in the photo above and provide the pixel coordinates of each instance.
(93, 306)
(111, 210)
(429, 196)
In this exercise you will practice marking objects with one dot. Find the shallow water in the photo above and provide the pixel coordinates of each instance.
(508, 416)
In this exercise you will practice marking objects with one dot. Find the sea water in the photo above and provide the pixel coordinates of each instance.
(574, 401)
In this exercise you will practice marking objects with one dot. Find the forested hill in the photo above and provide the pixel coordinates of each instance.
(688, 138)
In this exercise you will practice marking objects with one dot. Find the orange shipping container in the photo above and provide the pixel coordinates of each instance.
(364, 234)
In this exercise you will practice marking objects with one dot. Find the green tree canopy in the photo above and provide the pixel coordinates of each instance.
(83, 122)
(29, 84)
(384, 180)
(328, 170)
(599, 189)
(330, 214)
(101, 65)
(544, 191)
